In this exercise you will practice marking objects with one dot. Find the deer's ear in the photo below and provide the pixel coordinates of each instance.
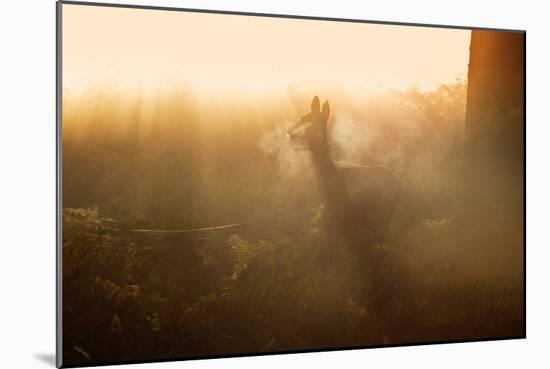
(315, 105)
(326, 110)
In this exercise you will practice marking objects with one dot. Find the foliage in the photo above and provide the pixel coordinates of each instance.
(227, 293)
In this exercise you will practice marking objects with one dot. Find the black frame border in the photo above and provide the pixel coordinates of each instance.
(58, 152)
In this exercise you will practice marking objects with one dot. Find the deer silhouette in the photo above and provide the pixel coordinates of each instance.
(354, 195)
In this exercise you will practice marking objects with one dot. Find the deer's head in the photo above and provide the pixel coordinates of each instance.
(312, 127)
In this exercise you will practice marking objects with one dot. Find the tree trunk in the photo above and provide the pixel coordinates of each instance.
(495, 129)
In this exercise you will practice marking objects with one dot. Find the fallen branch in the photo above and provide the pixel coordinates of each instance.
(193, 230)
(165, 231)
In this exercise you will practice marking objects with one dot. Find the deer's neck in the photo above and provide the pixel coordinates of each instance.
(323, 162)
(330, 184)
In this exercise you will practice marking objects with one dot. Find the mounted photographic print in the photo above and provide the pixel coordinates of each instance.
(238, 184)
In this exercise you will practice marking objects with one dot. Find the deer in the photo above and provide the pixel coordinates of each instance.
(354, 195)
(357, 198)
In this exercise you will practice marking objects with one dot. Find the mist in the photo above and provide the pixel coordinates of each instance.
(173, 159)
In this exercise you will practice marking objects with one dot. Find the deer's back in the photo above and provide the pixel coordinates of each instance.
(371, 191)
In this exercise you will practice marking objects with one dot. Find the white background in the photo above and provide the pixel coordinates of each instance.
(27, 180)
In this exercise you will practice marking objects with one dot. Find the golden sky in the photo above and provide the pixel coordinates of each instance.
(216, 52)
